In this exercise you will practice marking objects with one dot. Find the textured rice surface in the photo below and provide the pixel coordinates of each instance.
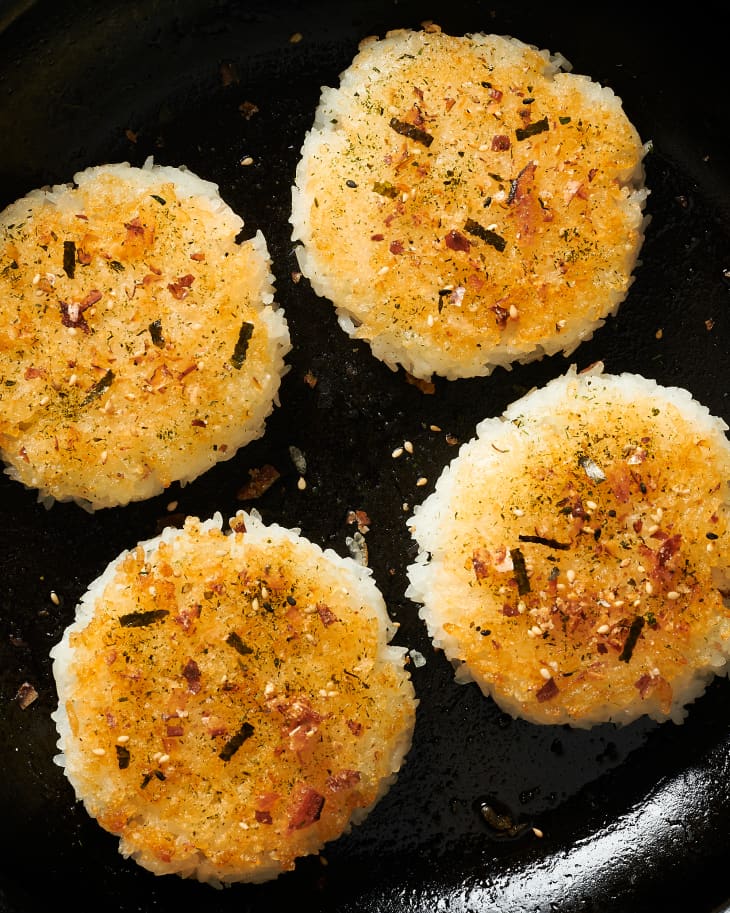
(139, 344)
(228, 702)
(574, 555)
(465, 203)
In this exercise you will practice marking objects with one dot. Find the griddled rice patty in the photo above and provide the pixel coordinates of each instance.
(465, 203)
(574, 557)
(139, 344)
(230, 701)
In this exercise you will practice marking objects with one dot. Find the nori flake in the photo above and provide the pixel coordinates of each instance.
(235, 742)
(239, 352)
(142, 619)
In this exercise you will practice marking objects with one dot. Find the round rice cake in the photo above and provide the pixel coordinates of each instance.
(230, 701)
(573, 558)
(466, 203)
(139, 343)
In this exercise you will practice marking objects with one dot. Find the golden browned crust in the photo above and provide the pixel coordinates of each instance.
(138, 345)
(464, 204)
(574, 556)
(229, 703)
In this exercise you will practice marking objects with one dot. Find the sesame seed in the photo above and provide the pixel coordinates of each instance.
(649, 587)
(398, 452)
(264, 593)
(99, 752)
(104, 456)
(591, 505)
(122, 739)
(672, 594)
(652, 529)
(247, 160)
(408, 446)
(513, 312)
(54, 598)
(164, 758)
(546, 674)
(45, 400)
(710, 547)
(625, 562)
(302, 483)
(537, 832)
(536, 630)
(521, 607)
(72, 380)
(422, 481)
(518, 512)
(618, 603)
(570, 574)
(602, 629)
(434, 428)
(172, 506)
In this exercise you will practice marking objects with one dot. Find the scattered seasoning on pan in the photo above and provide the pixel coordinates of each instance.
(411, 131)
(523, 581)
(634, 631)
(25, 695)
(69, 258)
(550, 543)
(142, 619)
(155, 329)
(99, 387)
(235, 742)
(592, 469)
(234, 640)
(123, 756)
(241, 348)
(486, 234)
(540, 126)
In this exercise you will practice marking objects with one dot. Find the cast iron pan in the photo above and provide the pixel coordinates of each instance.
(634, 819)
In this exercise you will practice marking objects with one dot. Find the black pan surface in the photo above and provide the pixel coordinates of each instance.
(633, 819)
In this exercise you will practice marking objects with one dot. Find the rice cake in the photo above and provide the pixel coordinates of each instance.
(140, 344)
(464, 202)
(230, 701)
(573, 558)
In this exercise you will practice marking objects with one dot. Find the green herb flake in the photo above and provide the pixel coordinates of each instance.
(411, 131)
(486, 234)
(142, 619)
(235, 742)
(99, 387)
(634, 631)
(239, 352)
(518, 561)
(69, 258)
(234, 640)
(540, 126)
(385, 189)
(158, 338)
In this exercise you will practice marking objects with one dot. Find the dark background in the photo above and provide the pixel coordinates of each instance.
(634, 819)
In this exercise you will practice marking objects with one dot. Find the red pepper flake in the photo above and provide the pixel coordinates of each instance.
(396, 247)
(199, 423)
(307, 808)
(496, 94)
(454, 240)
(548, 691)
(191, 674)
(180, 288)
(343, 779)
(377, 237)
(355, 727)
(592, 173)
(668, 548)
(326, 615)
(175, 730)
(480, 560)
(33, 372)
(509, 610)
(197, 256)
(135, 227)
(263, 817)
(501, 143)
